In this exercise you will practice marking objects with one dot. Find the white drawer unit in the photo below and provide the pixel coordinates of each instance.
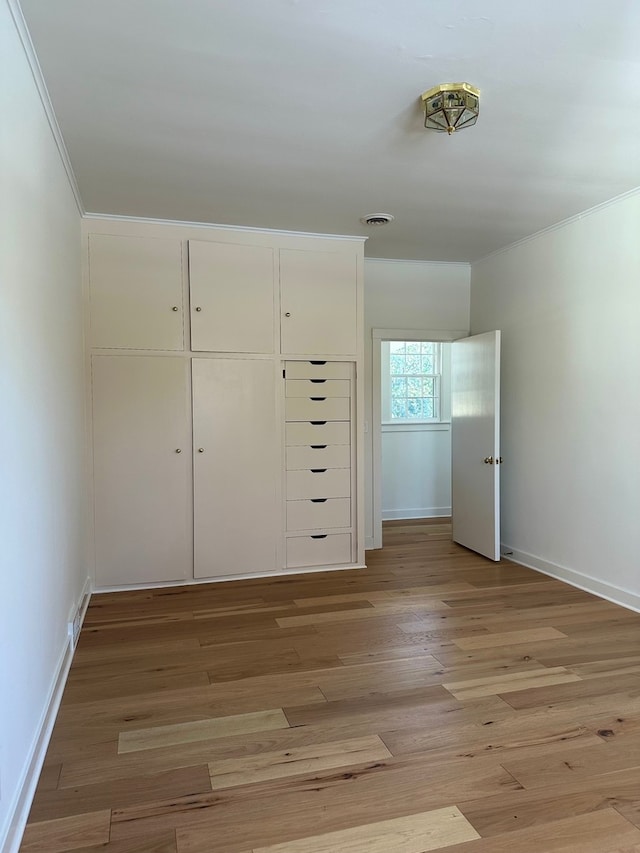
(318, 550)
(319, 483)
(319, 370)
(318, 456)
(318, 513)
(317, 408)
(318, 432)
(318, 387)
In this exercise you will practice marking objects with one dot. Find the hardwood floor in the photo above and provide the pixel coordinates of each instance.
(433, 701)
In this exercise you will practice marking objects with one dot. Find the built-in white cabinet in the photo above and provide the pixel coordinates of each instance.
(236, 467)
(233, 291)
(227, 412)
(318, 301)
(141, 469)
(135, 293)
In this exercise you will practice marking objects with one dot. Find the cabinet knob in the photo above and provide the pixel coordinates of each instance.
(198, 308)
(201, 450)
(287, 313)
(175, 308)
(178, 450)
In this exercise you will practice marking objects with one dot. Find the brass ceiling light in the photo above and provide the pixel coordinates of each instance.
(451, 107)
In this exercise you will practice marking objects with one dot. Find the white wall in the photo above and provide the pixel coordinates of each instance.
(42, 495)
(568, 304)
(416, 472)
(408, 295)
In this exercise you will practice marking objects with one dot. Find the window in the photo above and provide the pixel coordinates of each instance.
(411, 382)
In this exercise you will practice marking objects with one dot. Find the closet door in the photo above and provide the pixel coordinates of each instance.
(232, 297)
(318, 295)
(142, 469)
(235, 466)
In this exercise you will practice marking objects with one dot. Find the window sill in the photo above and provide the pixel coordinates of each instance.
(425, 426)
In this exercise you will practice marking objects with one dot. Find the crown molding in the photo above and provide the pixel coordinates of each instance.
(38, 78)
(247, 228)
(416, 261)
(558, 226)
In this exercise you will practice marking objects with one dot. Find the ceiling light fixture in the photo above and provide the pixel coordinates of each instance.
(451, 107)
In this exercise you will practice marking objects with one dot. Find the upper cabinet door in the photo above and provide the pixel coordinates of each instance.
(318, 292)
(232, 297)
(136, 292)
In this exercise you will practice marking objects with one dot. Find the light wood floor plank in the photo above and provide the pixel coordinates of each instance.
(517, 681)
(231, 772)
(510, 638)
(218, 727)
(67, 833)
(412, 834)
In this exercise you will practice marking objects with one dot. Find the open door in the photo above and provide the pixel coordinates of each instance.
(475, 443)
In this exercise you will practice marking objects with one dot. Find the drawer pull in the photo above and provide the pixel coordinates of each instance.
(318, 500)
(317, 399)
(320, 536)
(317, 423)
(317, 381)
(318, 470)
(318, 446)
(317, 362)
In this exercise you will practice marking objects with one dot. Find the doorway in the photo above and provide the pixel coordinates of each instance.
(411, 425)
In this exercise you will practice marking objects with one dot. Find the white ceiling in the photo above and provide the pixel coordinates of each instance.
(305, 114)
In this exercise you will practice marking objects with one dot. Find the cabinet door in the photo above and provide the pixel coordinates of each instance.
(142, 469)
(318, 293)
(232, 297)
(236, 520)
(136, 292)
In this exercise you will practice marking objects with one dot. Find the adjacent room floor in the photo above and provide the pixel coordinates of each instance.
(433, 701)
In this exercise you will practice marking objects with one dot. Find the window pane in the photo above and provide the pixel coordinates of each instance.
(414, 387)
(397, 363)
(427, 349)
(428, 387)
(413, 346)
(398, 408)
(413, 364)
(396, 346)
(414, 408)
(398, 387)
(427, 408)
(427, 364)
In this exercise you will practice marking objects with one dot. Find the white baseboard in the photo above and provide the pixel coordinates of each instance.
(19, 810)
(369, 543)
(421, 512)
(617, 595)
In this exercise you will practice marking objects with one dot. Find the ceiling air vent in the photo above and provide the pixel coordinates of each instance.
(377, 219)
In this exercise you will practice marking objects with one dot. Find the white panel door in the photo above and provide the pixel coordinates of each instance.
(135, 286)
(318, 301)
(236, 467)
(142, 469)
(475, 443)
(232, 297)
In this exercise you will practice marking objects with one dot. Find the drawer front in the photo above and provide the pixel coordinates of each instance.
(323, 512)
(318, 369)
(324, 432)
(307, 551)
(332, 483)
(318, 456)
(317, 408)
(318, 388)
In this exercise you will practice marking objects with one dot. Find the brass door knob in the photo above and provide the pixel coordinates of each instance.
(488, 460)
